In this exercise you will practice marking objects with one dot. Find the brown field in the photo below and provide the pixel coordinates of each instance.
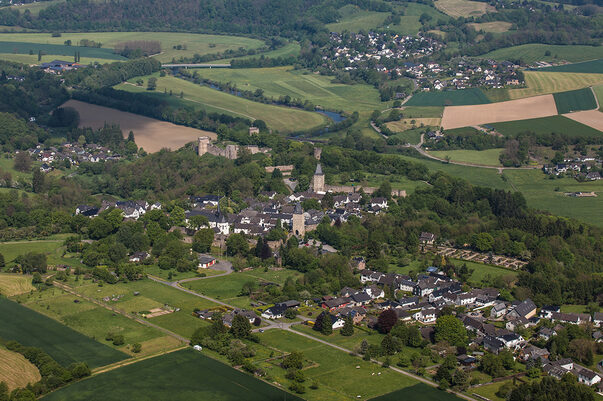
(16, 371)
(592, 118)
(520, 109)
(406, 123)
(495, 27)
(14, 284)
(150, 134)
(463, 8)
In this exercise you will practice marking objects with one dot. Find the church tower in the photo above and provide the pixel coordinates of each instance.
(318, 181)
(298, 221)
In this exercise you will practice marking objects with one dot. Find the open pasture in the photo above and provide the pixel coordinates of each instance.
(14, 284)
(546, 125)
(193, 43)
(593, 66)
(540, 82)
(62, 343)
(533, 52)
(284, 81)
(354, 19)
(576, 100)
(16, 371)
(409, 123)
(463, 8)
(521, 109)
(51, 247)
(494, 27)
(150, 134)
(449, 98)
(591, 118)
(488, 157)
(184, 375)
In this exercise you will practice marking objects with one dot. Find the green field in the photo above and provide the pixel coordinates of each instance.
(53, 248)
(419, 391)
(62, 343)
(546, 125)
(195, 43)
(599, 93)
(354, 19)
(449, 98)
(283, 119)
(184, 375)
(57, 51)
(409, 22)
(576, 100)
(540, 83)
(536, 52)
(488, 157)
(283, 81)
(594, 66)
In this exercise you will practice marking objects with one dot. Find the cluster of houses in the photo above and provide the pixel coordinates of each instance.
(583, 168)
(131, 209)
(60, 66)
(74, 153)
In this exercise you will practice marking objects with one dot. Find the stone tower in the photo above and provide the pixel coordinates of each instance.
(298, 221)
(317, 153)
(203, 144)
(318, 181)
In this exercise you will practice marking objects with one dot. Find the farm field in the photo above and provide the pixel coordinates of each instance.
(598, 89)
(57, 51)
(33, 59)
(412, 136)
(184, 375)
(592, 118)
(283, 119)
(283, 81)
(488, 157)
(494, 27)
(16, 371)
(290, 49)
(449, 98)
(463, 8)
(419, 391)
(15, 284)
(532, 52)
(150, 134)
(576, 100)
(62, 343)
(546, 125)
(594, 66)
(540, 83)
(354, 19)
(520, 109)
(52, 247)
(195, 43)
(409, 123)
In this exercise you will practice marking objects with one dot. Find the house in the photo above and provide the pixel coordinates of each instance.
(374, 292)
(510, 340)
(347, 291)
(358, 263)
(85, 210)
(292, 303)
(426, 315)
(274, 312)
(197, 201)
(361, 298)
(336, 303)
(525, 309)
(379, 202)
(532, 352)
(547, 311)
(588, 377)
(137, 257)
(493, 344)
(336, 321)
(205, 261)
(571, 318)
(425, 286)
(598, 319)
(546, 333)
(354, 313)
(593, 176)
(427, 238)
(369, 275)
(499, 309)
(406, 285)
(472, 324)
(408, 302)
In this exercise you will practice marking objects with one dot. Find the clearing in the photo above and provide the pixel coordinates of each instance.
(150, 134)
(35, 7)
(449, 98)
(494, 27)
(532, 52)
(185, 375)
(463, 8)
(14, 284)
(592, 118)
(16, 371)
(576, 100)
(62, 343)
(487, 157)
(520, 109)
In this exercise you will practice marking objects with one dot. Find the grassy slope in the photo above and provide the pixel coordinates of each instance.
(487, 157)
(494, 27)
(535, 52)
(34, 8)
(180, 376)
(355, 19)
(195, 43)
(283, 119)
(546, 125)
(318, 89)
(576, 100)
(62, 343)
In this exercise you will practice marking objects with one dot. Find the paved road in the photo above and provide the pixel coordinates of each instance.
(222, 265)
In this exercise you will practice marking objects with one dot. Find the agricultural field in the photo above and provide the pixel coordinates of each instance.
(592, 118)
(594, 66)
(536, 52)
(15, 284)
(283, 81)
(412, 136)
(195, 44)
(540, 82)
(410, 123)
(463, 8)
(150, 134)
(419, 391)
(282, 119)
(494, 27)
(545, 125)
(576, 100)
(62, 343)
(449, 98)
(488, 157)
(354, 19)
(520, 109)
(422, 111)
(598, 89)
(52, 247)
(184, 375)
(16, 371)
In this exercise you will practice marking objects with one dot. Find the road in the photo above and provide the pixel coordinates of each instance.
(196, 65)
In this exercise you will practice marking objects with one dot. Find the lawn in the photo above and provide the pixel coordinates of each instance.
(463, 8)
(422, 111)
(449, 98)
(540, 83)
(354, 19)
(62, 343)
(576, 100)
(409, 123)
(184, 375)
(536, 52)
(481, 271)
(283, 119)
(488, 157)
(195, 43)
(14, 284)
(593, 66)
(284, 81)
(351, 342)
(57, 51)
(489, 391)
(419, 391)
(546, 125)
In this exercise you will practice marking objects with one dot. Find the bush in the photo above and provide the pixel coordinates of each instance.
(136, 348)
(118, 340)
(297, 388)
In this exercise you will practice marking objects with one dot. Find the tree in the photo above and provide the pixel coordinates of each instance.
(197, 221)
(236, 244)
(22, 162)
(324, 323)
(450, 329)
(2, 262)
(491, 365)
(550, 388)
(178, 216)
(37, 181)
(483, 242)
(390, 345)
(348, 327)
(290, 313)
(294, 360)
(387, 320)
(152, 84)
(460, 379)
(37, 278)
(241, 328)
(202, 240)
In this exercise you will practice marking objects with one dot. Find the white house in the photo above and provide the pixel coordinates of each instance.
(427, 315)
(274, 312)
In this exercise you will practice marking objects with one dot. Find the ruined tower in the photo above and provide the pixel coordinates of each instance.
(203, 144)
(318, 181)
(298, 221)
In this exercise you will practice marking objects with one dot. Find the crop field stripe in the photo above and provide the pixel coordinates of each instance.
(593, 67)
(62, 343)
(59, 50)
(576, 100)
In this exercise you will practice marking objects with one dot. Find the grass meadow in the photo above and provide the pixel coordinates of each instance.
(461, 97)
(540, 83)
(15, 284)
(593, 66)
(488, 157)
(463, 8)
(494, 27)
(62, 343)
(576, 100)
(419, 391)
(532, 52)
(34, 8)
(52, 248)
(184, 375)
(354, 19)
